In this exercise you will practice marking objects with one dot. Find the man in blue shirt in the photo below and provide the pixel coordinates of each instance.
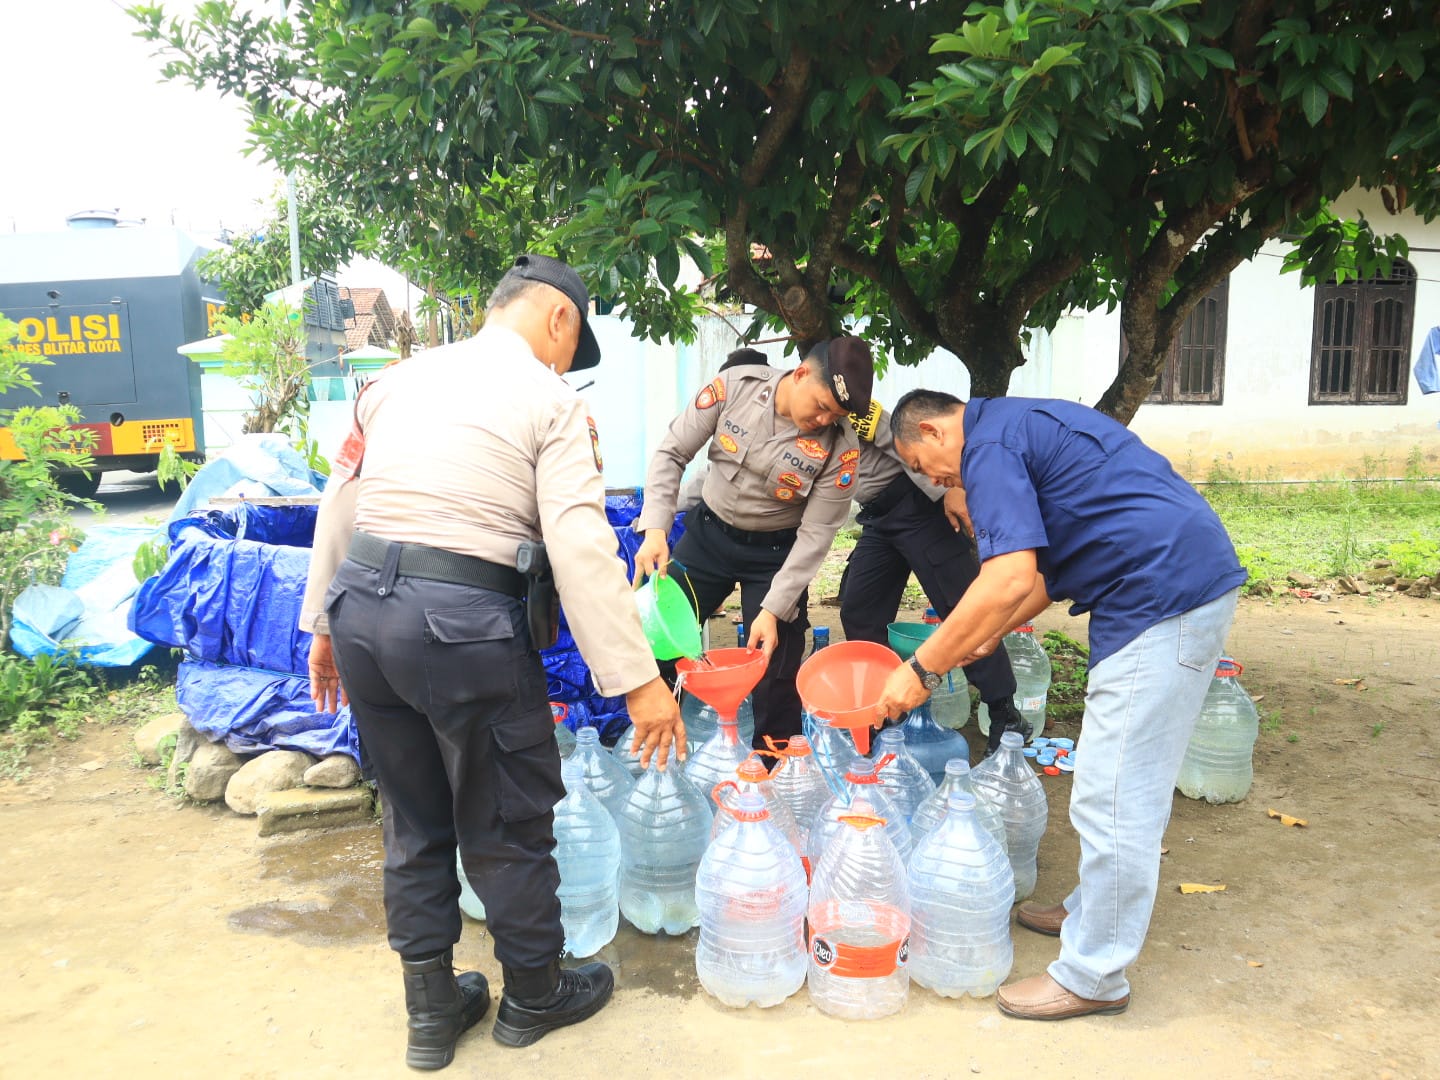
(1068, 503)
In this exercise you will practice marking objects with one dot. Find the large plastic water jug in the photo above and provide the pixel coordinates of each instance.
(906, 781)
(664, 830)
(1218, 763)
(1006, 779)
(949, 704)
(587, 849)
(932, 811)
(564, 737)
(798, 782)
(931, 744)
(861, 784)
(750, 889)
(753, 778)
(469, 902)
(621, 751)
(859, 923)
(717, 758)
(961, 890)
(1032, 679)
(608, 779)
(701, 719)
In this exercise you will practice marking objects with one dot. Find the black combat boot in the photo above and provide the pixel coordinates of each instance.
(441, 1008)
(1004, 716)
(539, 1001)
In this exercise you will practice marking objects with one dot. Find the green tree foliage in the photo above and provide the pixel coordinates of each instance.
(257, 262)
(951, 171)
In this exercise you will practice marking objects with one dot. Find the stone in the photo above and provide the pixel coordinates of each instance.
(187, 741)
(1300, 580)
(311, 808)
(1324, 597)
(1381, 564)
(1420, 590)
(275, 770)
(209, 771)
(333, 771)
(150, 740)
(1403, 583)
(1380, 577)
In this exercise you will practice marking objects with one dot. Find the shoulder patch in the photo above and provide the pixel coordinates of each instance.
(595, 445)
(865, 426)
(791, 479)
(727, 444)
(849, 457)
(784, 494)
(846, 478)
(346, 463)
(711, 395)
(811, 448)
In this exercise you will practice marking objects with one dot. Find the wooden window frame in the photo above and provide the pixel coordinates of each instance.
(1166, 390)
(1380, 303)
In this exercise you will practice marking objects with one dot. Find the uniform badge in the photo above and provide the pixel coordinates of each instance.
(849, 457)
(866, 426)
(595, 445)
(784, 494)
(711, 395)
(790, 478)
(812, 449)
(764, 397)
(346, 463)
(845, 479)
(728, 444)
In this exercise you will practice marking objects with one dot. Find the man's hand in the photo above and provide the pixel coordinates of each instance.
(903, 692)
(658, 727)
(981, 651)
(653, 556)
(764, 633)
(325, 688)
(957, 511)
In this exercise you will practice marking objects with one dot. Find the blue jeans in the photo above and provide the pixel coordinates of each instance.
(1140, 710)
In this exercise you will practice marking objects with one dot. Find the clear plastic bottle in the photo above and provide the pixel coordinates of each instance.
(961, 890)
(1218, 765)
(608, 779)
(750, 889)
(587, 849)
(798, 782)
(1032, 679)
(664, 830)
(862, 784)
(931, 744)
(751, 777)
(932, 811)
(1006, 779)
(859, 922)
(469, 902)
(621, 751)
(564, 737)
(906, 781)
(949, 705)
(717, 758)
(701, 720)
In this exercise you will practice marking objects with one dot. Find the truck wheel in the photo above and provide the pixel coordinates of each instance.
(81, 485)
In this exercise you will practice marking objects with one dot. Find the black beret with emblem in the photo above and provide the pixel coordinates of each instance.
(849, 369)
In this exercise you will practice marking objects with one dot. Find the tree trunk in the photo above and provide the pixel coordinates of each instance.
(1147, 341)
(989, 352)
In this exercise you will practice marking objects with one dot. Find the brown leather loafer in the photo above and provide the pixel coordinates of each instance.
(1043, 920)
(1041, 998)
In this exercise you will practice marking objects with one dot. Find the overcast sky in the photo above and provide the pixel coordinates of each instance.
(88, 124)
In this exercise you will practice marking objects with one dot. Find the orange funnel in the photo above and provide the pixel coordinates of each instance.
(723, 677)
(841, 686)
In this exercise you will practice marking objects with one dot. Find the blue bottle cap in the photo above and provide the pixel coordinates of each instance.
(1064, 744)
(1045, 757)
(1039, 740)
(1067, 763)
(1029, 751)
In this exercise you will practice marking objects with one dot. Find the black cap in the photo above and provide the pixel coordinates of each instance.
(851, 372)
(559, 274)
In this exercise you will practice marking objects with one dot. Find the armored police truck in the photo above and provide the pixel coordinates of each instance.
(108, 305)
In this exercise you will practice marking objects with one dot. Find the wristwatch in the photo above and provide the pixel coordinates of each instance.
(928, 679)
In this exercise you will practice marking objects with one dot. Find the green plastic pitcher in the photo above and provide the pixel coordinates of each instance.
(668, 619)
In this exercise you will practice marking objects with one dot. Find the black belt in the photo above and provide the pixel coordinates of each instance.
(889, 496)
(744, 536)
(437, 564)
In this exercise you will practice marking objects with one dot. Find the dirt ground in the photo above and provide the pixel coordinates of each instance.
(145, 938)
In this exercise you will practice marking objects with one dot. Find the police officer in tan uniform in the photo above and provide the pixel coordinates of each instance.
(909, 524)
(461, 457)
(782, 465)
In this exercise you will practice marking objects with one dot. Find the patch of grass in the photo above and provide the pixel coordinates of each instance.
(1330, 527)
(1069, 675)
(1292, 738)
(1376, 729)
(1270, 723)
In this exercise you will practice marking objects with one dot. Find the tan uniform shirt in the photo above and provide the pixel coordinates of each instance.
(473, 448)
(765, 474)
(879, 462)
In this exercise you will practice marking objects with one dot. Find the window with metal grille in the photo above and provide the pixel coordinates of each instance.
(1360, 348)
(1194, 370)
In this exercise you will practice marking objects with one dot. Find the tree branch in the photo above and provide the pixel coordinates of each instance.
(586, 34)
(975, 220)
(848, 189)
(888, 275)
(1037, 280)
(788, 103)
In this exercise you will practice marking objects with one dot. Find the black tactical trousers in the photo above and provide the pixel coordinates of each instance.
(913, 534)
(451, 707)
(715, 563)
